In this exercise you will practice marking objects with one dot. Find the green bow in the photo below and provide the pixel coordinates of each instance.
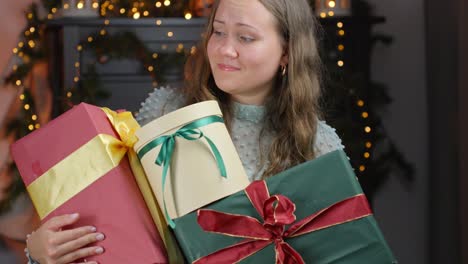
(189, 132)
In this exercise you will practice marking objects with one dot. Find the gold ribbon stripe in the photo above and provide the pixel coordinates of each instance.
(75, 173)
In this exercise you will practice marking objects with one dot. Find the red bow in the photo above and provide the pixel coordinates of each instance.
(276, 211)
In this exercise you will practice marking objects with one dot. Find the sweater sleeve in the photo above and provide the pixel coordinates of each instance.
(326, 139)
(161, 101)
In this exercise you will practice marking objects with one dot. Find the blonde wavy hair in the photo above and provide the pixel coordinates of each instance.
(293, 118)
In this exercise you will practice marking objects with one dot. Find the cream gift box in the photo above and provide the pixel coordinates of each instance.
(202, 164)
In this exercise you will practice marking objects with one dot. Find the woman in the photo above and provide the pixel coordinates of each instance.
(260, 62)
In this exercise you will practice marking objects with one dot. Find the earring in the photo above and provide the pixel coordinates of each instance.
(283, 70)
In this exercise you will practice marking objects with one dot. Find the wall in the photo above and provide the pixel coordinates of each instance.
(402, 212)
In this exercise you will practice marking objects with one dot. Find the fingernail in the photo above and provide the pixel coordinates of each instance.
(93, 229)
(75, 215)
(99, 250)
(99, 236)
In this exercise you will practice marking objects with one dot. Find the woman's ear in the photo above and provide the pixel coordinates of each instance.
(284, 57)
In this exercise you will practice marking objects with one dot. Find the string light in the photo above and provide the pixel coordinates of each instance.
(18, 82)
(170, 34)
(21, 97)
(331, 13)
(158, 4)
(136, 15)
(362, 168)
(32, 29)
(365, 114)
(158, 22)
(340, 63)
(77, 64)
(15, 50)
(80, 5)
(341, 32)
(188, 16)
(339, 24)
(155, 55)
(368, 144)
(122, 11)
(323, 15)
(27, 106)
(331, 4)
(150, 68)
(360, 103)
(167, 3)
(366, 155)
(367, 129)
(34, 117)
(66, 6)
(31, 127)
(340, 47)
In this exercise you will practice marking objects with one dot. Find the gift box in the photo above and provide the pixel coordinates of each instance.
(81, 163)
(189, 159)
(312, 213)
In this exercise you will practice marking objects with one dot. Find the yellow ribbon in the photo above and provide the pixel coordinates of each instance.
(101, 154)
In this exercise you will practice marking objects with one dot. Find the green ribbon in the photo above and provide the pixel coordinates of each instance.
(188, 132)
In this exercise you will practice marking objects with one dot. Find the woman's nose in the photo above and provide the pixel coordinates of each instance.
(227, 48)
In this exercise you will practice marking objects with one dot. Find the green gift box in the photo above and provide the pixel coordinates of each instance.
(314, 213)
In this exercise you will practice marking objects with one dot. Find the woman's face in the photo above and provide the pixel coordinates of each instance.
(245, 50)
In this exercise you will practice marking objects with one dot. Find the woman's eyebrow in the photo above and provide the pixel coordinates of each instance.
(237, 24)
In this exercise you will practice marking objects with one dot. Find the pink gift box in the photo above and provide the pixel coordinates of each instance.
(113, 203)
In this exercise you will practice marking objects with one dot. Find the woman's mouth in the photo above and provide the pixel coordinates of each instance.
(225, 67)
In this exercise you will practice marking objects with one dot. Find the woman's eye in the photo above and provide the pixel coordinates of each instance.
(246, 39)
(217, 33)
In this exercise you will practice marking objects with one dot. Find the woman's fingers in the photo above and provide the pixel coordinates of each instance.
(72, 234)
(75, 245)
(56, 223)
(79, 254)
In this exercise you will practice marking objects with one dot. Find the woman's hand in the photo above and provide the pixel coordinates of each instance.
(50, 245)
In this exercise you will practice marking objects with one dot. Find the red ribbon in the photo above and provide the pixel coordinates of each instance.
(277, 211)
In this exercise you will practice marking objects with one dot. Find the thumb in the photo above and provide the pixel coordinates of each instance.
(56, 223)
